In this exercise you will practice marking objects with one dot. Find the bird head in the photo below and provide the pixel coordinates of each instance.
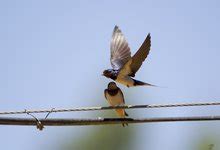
(112, 86)
(107, 73)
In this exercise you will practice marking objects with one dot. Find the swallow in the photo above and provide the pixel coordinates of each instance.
(124, 66)
(115, 97)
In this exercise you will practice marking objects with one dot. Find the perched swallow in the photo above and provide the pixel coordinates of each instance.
(124, 66)
(115, 97)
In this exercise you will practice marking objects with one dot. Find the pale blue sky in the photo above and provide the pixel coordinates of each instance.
(52, 54)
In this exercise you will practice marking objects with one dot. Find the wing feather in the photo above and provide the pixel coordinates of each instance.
(133, 65)
(105, 93)
(120, 51)
(122, 95)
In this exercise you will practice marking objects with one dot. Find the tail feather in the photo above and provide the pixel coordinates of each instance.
(122, 113)
(125, 124)
(126, 114)
(140, 83)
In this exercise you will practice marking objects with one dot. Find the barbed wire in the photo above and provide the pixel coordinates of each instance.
(40, 123)
(111, 107)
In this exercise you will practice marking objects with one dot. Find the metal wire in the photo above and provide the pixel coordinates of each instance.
(99, 121)
(110, 107)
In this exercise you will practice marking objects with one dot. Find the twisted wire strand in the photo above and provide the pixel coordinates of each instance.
(110, 107)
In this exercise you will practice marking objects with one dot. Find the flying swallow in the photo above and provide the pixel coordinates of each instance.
(115, 97)
(124, 66)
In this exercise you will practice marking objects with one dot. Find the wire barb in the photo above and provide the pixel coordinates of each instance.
(39, 125)
(49, 113)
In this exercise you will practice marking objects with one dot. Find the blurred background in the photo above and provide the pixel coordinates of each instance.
(52, 54)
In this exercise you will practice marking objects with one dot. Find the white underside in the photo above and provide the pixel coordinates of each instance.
(127, 81)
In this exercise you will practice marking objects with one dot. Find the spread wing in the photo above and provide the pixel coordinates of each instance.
(133, 65)
(120, 51)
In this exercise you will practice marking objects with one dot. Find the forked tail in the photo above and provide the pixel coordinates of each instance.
(140, 83)
(125, 124)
